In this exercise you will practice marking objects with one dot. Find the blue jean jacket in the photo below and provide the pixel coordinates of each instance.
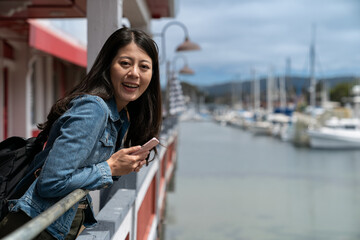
(79, 144)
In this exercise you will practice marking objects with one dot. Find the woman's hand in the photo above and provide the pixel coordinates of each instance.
(122, 162)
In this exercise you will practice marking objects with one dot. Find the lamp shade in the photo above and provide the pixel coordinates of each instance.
(186, 70)
(187, 45)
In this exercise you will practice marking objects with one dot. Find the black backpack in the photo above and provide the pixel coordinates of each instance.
(16, 154)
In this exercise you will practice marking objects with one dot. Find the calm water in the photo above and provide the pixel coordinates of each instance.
(230, 184)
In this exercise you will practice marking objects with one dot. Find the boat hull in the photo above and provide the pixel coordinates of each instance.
(261, 128)
(334, 139)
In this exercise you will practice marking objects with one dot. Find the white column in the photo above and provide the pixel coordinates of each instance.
(49, 84)
(40, 92)
(19, 121)
(104, 17)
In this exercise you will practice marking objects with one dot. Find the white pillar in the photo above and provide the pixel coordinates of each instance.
(19, 109)
(104, 17)
(39, 92)
(49, 84)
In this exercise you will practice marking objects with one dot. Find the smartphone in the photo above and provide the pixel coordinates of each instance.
(147, 146)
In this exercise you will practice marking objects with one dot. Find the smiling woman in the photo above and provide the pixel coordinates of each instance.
(90, 139)
(131, 72)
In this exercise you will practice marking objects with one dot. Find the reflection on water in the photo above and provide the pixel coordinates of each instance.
(230, 184)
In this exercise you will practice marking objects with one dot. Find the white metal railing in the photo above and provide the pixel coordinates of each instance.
(41, 222)
(37, 225)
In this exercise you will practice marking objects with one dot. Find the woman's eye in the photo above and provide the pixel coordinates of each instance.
(124, 63)
(145, 67)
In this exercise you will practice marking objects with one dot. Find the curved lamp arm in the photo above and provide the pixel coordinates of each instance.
(186, 46)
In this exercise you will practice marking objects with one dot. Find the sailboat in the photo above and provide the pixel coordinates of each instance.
(260, 125)
(337, 133)
(343, 133)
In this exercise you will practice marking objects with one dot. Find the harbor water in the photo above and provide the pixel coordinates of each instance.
(230, 184)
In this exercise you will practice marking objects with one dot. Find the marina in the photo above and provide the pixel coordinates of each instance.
(260, 115)
(232, 184)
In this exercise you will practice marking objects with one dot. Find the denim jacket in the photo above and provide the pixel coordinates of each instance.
(79, 144)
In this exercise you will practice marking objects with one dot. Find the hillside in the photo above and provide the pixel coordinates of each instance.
(294, 83)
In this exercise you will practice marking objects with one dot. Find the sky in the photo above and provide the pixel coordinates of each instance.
(241, 37)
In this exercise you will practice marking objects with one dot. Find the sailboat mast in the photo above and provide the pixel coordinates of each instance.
(312, 71)
(240, 92)
(282, 92)
(288, 81)
(256, 91)
(270, 89)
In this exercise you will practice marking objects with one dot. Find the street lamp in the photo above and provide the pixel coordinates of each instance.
(185, 70)
(175, 99)
(187, 45)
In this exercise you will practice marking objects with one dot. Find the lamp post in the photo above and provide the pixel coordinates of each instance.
(187, 45)
(175, 98)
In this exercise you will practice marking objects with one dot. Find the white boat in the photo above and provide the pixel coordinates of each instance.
(336, 134)
(242, 119)
(279, 121)
(261, 128)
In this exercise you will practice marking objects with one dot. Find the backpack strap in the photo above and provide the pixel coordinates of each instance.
(41, 138)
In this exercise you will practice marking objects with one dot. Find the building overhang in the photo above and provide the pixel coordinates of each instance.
(15, 16)
(24, 9)
(140, 12)
(162, 8)
(51, 42)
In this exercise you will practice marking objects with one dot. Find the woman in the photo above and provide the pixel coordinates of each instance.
(118, 104)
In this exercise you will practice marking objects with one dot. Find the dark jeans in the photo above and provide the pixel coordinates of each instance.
(14, 220)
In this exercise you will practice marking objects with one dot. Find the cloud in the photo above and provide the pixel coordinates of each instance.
(236, 35)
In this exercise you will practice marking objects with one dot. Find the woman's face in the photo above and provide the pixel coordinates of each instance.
(130, 72)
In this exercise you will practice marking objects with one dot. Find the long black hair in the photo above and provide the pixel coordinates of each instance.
(145, 113)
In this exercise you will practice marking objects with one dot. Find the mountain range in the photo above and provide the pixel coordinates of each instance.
(293, 83)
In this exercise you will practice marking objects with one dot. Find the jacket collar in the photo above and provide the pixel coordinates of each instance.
(114, 114)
